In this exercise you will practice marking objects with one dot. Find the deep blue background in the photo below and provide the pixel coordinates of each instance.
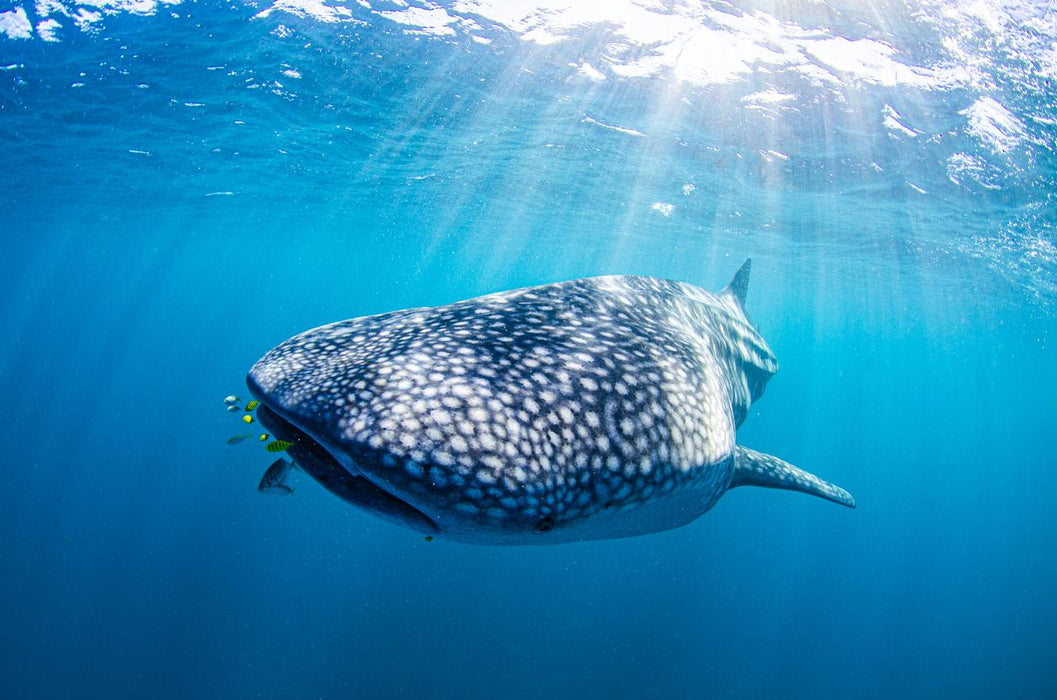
(137, 556)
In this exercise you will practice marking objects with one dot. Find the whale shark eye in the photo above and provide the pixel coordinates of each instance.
(545, 525)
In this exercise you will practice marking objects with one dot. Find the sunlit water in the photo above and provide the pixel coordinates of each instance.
(186, 184)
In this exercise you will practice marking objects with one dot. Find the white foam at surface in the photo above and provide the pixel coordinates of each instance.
(432, 20)
(613, 127)
(868, 61)
(963, 168)
(994, 125)
(136, 7)
(769, 102)
(44, 8)
(891, 121)
(15, 24)
(48, 29)
(82, 13)
(770, 96)
(1023, 30)
(85, 18)
(591, 73)
(315, 9)
(699, 43)
(693, 40)
(705, 43)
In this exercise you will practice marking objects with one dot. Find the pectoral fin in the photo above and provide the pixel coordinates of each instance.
(752, 468)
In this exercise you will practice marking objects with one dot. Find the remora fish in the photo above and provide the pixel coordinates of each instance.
(592, 409)
(274, 480)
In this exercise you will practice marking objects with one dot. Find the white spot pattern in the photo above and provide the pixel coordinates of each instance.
(534, 409)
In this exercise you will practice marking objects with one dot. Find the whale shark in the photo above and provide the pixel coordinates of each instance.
(597, 408)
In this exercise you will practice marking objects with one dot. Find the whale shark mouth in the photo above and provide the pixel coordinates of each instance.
(318, 462)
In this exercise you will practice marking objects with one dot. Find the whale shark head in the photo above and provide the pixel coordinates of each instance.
(302, 403)
(416, 431)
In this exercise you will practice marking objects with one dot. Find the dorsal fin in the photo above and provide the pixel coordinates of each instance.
(739, 286)
(752, 468)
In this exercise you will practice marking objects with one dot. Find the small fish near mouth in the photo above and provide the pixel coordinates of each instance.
(313, 459)
(274, 479)
(232, 404)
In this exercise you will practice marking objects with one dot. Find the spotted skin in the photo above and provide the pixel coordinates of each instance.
(752, 468)
(597, 408)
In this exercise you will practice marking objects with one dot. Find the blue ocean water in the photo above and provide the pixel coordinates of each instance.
(184, 185)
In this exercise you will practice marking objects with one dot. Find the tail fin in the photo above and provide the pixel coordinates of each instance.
(739, 286)
(752, 468)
